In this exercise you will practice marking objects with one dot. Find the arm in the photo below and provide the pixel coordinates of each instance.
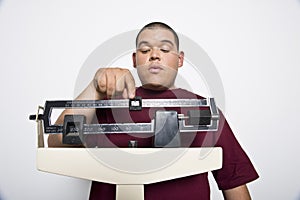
(237, 193)
(107, 82)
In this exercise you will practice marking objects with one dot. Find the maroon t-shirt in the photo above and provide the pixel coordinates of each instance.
(237, 169)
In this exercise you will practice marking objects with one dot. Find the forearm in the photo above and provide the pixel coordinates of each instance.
(89, 93)
(55, 140)
(238, 193)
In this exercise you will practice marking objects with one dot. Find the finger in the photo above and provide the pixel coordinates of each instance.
(110, 84)
(124, 94)
(130, 85)
(120, 84)
(101, 82)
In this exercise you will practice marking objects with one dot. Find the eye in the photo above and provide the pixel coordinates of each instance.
(144, 50)
(165, 50)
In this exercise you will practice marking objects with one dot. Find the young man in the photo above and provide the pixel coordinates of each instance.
(157, 60)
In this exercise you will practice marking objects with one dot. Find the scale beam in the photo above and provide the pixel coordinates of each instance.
(75, 127)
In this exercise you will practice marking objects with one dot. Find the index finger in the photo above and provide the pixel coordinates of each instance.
(130, 85)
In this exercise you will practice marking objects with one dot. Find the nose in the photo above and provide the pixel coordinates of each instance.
(155, 55)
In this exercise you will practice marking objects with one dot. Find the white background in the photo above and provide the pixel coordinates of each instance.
(254, 45)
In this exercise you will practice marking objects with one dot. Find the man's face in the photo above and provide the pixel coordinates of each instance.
(157, 59)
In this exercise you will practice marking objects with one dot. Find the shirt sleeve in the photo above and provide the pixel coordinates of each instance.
(237, 168)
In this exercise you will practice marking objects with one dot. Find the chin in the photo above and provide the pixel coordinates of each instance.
(155, 86)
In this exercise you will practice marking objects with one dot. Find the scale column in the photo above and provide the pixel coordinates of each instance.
(132, 192)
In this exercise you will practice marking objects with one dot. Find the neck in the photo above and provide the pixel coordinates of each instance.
(156, 87)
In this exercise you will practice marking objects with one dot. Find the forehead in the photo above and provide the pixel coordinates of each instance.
(156, 35)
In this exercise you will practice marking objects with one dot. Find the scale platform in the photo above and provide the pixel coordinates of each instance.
(81, 163)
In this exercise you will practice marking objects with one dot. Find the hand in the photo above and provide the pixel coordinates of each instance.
(110, 82)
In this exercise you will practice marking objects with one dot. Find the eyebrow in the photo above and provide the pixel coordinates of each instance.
(142, 42)
(163, 41)
(168, 41)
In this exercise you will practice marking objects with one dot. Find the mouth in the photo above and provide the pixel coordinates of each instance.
(155, 69)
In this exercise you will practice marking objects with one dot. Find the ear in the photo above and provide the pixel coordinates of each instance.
(180, 59)
(134, 59)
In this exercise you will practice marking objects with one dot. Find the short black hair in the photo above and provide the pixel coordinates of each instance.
(158, 25)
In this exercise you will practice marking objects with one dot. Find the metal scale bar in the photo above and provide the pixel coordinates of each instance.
(122, 103)
(133, 104)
